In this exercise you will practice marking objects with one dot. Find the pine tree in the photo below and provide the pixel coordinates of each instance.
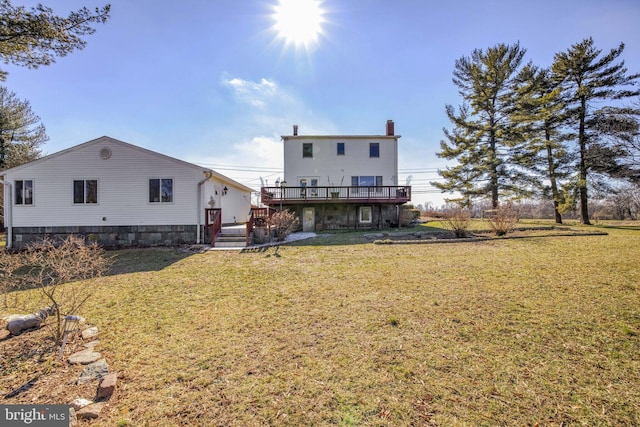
(482, 129)
(588, 79)
(21, 133)
(34, 37)
(540, 120)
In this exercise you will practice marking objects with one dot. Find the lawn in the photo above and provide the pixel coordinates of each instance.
(537, 331)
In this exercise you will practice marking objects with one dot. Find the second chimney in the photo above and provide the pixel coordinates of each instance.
(295, 130)
(390, 130)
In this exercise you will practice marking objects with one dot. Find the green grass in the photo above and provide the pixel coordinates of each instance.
(508, 332)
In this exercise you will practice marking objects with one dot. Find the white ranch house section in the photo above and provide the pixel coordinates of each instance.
(142, 197)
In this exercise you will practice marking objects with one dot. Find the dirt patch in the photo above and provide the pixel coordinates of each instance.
(31, 373)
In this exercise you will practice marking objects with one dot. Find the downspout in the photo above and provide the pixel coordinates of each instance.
(8, 213)
(207, 176)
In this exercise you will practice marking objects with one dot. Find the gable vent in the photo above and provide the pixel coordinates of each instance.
(105, 153)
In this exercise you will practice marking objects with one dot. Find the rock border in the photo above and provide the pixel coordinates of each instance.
(95, 368)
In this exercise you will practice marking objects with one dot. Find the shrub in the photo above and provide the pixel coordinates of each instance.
(503, 220)
(408, 215)
(52, 272)
(283, 223)
(457, 220)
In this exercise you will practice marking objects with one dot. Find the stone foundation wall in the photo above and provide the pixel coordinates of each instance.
(111, 236)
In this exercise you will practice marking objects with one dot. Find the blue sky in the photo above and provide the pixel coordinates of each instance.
(210, 83)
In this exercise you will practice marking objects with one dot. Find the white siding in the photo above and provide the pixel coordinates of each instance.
(123, 189)
(333, 169)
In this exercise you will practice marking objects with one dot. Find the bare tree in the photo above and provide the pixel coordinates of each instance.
(53, 275)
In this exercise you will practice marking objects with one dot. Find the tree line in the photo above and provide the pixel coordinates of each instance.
(524, 131)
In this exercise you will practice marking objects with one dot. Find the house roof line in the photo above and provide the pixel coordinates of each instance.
(105, 138)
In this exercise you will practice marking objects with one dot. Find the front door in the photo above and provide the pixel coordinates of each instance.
(308, 219)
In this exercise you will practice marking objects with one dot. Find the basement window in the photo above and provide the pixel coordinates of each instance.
(365, 215)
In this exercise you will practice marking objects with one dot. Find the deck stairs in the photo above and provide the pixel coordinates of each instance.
(231, 237)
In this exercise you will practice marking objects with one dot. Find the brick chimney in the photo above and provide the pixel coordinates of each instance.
(295, 130)
(390, 130)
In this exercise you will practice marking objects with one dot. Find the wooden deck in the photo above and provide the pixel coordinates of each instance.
(310, 195)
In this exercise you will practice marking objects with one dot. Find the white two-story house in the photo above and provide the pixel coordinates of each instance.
(340, 181)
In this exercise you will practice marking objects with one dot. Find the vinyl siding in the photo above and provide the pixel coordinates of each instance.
(330, 168)
(123, 191)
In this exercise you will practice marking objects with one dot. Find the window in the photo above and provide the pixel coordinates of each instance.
(161, 190)
(307, 150)
(85, 191)
(374, 149)
(366, 181)
(340, 148)
(24, 192)
(365, 214)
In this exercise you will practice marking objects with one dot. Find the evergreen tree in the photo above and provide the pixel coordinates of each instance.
(541, 120)
(588, 80)
(482, 129)
(35, 37)
(21, 133)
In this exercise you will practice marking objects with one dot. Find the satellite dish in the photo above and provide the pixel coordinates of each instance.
(409, 178)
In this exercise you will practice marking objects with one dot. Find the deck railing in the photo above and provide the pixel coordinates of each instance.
(213, 222)
(379, 194)
(257, 217)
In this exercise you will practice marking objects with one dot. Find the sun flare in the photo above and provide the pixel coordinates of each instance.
(298, 22)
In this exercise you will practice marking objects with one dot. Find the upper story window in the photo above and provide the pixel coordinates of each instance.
(307, 149)
(340, 148)
(161, 190)
(366, 181)
(374, 149)
(85, 191)
(24, 192)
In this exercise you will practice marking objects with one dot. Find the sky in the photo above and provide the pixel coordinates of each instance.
(214, 83)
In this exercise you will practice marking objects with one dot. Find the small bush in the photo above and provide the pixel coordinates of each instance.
(284, 223)
(408, 215)
(58, 271)
(458, 220)
(503, 220)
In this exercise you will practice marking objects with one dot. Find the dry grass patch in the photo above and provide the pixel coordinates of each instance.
(509, 332)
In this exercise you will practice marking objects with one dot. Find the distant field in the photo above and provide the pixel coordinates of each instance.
(508, 332)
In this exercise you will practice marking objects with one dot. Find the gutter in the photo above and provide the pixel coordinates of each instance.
(207, 176)
(8, 213)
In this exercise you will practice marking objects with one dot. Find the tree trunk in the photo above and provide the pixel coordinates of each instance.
(582, 173)
(494, 167)
(552, 177)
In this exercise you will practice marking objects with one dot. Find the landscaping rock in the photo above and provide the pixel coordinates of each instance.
(90, 412)
(19, 323)
(80, 403)
(92, 344)
(90, 333)
(84, 357)
(95, 370)
(107, 386)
